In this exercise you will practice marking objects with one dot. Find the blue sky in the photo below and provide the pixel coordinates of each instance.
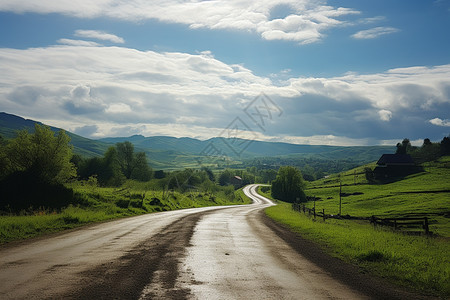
(342, 72)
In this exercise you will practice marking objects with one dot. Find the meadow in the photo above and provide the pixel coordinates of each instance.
(418, 262)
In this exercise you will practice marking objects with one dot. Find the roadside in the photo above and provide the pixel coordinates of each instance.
(348, 274)
(305, 236)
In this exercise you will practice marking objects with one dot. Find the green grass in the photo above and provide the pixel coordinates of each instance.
(422, 194)
(413, 261)
(101, 204)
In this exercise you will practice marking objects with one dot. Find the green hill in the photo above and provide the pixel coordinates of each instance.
(10, 124)
(424, 194)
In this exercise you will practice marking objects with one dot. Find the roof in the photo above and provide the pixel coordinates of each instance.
(395, 159)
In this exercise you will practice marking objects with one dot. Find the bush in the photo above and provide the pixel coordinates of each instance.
(22, 190)
(123, 203)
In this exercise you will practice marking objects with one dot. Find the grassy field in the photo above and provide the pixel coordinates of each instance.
(101, 204)
(419, 262)
(422, 194)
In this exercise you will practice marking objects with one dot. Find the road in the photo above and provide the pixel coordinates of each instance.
(202, 253)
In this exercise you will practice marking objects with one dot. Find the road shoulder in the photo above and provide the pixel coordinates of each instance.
(348, 274)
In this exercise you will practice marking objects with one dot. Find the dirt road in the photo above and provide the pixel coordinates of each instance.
(203, 253)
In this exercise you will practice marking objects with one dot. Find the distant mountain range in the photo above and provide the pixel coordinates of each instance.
(165, 152)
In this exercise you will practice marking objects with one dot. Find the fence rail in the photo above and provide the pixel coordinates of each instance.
(395, 223)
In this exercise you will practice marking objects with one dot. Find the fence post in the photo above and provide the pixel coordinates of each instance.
(314, 209)
(425, 226)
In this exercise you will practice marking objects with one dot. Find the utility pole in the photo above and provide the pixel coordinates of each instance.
(340, 195)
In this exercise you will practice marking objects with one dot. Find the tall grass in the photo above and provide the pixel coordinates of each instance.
(104, 203)
(418, 262)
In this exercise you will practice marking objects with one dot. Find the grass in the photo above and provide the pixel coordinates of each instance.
(419, 262)
(413, 261)
(101, 204)
(423, 194)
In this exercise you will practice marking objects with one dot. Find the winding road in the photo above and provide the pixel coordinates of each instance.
(202, 253)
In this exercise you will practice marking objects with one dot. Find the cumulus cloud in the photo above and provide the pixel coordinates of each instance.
(185, 94)
(440, 122)
(99, 35)
(306, 22)
(374, 33)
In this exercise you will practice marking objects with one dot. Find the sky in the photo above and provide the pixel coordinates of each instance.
(336, 72)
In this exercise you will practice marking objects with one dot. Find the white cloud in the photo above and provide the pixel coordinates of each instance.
(374, 33)
(99, 35)
(385, 115)
(372, 20)
(306, 23)
(184, 94)
(415, 88)
(118, 108)
(440, 122)
(71, 42)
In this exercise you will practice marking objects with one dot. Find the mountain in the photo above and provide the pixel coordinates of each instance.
(165, 152)
(247, 149)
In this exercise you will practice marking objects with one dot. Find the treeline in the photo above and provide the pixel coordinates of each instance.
(312, 168)
(429, 151)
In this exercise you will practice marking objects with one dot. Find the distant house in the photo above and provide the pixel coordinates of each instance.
(236, 181)
(395, 165)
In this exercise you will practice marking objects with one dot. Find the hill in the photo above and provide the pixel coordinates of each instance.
(169, 153)
(10, 124)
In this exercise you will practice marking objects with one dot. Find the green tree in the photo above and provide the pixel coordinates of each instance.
(110, 171)
(141, 170)
(445, 145)
(225, 177)
(42, 154)
(126, 158)
(403, 147)
(289, 185)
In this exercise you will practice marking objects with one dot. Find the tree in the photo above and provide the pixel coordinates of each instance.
(111, 173)
(141, 170)
(404, 147)
(289, 185)
(225, 177)
(125, 154)
(210, 174)
(35, 166)
(445, 146)
(42, 154)
(426, 142)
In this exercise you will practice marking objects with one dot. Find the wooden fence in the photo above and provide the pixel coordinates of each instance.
(395, 223)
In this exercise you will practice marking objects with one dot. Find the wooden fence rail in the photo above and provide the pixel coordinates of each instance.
(396, 223)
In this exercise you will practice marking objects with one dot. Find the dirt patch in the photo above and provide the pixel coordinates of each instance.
(348, 274)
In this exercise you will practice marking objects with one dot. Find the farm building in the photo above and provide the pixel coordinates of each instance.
(395, 165)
